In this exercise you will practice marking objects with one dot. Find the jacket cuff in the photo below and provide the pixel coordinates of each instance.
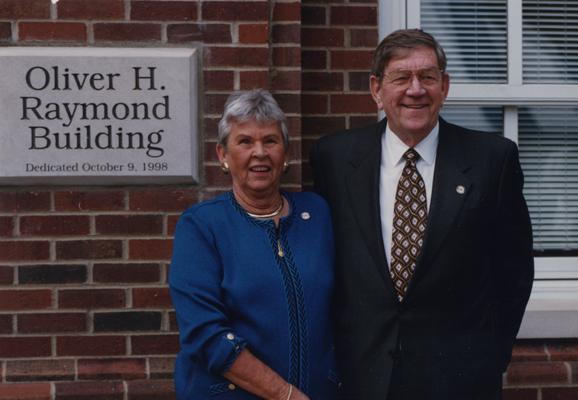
(227, 348)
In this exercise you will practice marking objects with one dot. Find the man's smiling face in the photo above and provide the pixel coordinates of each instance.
(411, 91)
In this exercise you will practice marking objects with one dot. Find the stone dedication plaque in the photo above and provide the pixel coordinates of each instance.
(98, 115)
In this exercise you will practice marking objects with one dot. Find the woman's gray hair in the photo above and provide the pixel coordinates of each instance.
(253, 105)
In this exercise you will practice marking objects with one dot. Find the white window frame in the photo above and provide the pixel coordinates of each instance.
(553, 308)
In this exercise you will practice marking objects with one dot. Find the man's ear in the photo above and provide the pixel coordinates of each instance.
(445, 84)
(374, 88)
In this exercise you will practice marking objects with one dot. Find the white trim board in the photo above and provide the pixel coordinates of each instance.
(552, 311)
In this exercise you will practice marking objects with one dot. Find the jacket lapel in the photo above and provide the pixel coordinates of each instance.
(450, 189)
(363, 189)
(446, 202)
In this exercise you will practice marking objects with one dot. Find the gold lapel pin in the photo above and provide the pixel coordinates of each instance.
(460, 189)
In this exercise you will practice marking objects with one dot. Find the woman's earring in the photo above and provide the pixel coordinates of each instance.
(225, 168)
(285, 167)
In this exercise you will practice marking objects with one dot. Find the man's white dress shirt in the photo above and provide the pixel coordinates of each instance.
(392, 163)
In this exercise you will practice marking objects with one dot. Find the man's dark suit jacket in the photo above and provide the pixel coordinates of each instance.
(453, 333)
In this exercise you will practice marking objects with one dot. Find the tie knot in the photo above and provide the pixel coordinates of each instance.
(411, 155)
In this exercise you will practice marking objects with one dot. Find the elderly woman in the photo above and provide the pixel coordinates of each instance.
(252, 273)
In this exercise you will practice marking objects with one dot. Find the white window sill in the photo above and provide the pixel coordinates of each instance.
(552, 311)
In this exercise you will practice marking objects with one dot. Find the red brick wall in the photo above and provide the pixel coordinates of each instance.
(84, 306)
(338, 39)
(84, 309)
(543, 370)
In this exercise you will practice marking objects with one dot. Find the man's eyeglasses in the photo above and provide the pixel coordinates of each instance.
(402, 78)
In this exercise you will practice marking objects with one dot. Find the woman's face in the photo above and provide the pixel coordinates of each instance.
(255, 154)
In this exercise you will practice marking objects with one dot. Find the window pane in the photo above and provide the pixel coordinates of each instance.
(474, 35)
(548, 142)
(488, 119)
(550, 41)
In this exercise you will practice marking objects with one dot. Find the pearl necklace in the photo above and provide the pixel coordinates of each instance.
(270, 215)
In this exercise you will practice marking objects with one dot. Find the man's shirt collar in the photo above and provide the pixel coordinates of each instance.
(394, 148)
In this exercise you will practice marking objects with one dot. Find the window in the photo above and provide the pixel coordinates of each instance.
(514, 70)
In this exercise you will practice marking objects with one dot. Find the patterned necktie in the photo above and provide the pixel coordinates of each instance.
(409, 222)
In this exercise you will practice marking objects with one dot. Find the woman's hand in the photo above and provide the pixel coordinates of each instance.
(255, 377)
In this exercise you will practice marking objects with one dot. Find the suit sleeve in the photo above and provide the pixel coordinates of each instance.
(514, 261)
(195, 283)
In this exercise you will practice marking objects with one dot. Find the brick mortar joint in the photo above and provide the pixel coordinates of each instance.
(568, 372)
(127, 9)
(125, 390)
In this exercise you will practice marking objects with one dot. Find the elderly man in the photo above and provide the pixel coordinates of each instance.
(434, 243)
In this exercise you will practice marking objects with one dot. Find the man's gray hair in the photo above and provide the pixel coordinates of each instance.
(253, 105)
(402, 40)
